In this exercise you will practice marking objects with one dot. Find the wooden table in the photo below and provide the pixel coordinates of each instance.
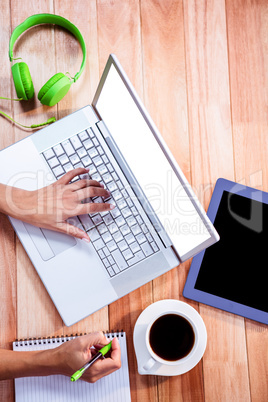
(201, 69)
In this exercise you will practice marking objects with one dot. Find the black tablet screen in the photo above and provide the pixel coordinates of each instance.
(235, 268)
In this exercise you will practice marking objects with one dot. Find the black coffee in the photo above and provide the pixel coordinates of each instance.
(171, 337)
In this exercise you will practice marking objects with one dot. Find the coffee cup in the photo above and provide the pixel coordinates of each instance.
(174, 338)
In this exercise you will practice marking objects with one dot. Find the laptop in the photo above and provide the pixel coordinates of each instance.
(156, 224)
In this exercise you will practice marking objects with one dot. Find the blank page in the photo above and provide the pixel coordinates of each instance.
(112, 388)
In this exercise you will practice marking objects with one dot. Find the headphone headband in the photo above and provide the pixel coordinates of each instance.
(38, 19)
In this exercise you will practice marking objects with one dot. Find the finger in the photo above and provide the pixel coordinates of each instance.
(112, 363)
(72, 230)
(95, 338)
(92, 192)
(71, 175)
(92, 208)
(85, 183)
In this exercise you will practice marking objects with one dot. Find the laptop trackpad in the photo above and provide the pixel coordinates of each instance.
(49, 243)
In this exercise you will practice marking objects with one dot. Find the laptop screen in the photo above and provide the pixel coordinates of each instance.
(134, 137)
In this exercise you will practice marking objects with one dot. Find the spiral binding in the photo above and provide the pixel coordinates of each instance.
(61, 338)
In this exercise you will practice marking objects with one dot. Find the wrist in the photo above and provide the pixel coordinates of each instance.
(16, 202)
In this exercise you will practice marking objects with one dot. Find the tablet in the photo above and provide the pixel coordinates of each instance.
(232, 274)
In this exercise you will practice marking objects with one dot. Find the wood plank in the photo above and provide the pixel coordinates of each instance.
(8, 273)
(69, 58)
(211, 157)
(165, 95)
(37, 315)
(119, 33)
(247, 23)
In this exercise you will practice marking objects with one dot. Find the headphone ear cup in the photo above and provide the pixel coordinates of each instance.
(22, 81)
(54, 89)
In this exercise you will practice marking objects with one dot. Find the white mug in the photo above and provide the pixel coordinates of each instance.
(149, 362)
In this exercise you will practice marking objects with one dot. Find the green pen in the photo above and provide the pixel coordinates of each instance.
(100, 353)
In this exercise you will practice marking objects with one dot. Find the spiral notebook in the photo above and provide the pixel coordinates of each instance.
(58, 388)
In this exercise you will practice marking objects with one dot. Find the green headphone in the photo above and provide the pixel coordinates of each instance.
(58, 85)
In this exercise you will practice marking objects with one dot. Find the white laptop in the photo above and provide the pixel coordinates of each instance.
(157, 222)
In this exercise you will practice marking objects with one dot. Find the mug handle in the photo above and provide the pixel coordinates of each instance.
(150, 363)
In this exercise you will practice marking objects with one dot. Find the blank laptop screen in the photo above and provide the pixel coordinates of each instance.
(149, 164)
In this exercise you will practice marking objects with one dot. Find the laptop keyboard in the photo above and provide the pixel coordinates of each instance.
(120, 236)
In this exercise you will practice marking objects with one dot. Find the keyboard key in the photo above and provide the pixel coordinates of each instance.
(76, 143)
(102, 169)
(101, 254)
(116, 269)
(53, 162)
(92, 169)
(127, 254)
(113, 228)
(120, 221)
(82, 152)
(106, 237)
(58, 150)
(58, 171)
(134, 247)
(111, 245)
(119, 259)
(111, 271)
(110, 167)
(92, 153)
(141, 238)
(83, 136)
(112, 186)
(121, 203)
(86, 161)
(115, 213)
(117, 195)
(106, 262)
(88, 144)
(100, 150)
(122, 245)
(101, 228)
(131, 221)
(68, 167)
(74, 159)
(98, 244)
(90, 132)
(106, 251)
(154, 246)
(49, 154)
(117, 236)
(107, 178)
(111, 260)
(130, 238)
(94, 235)
(136, 230)
(125, 230)
(97, 161)
(64, 159)
(108, 219)
(97, 219)
(68, 148)
(86, 222)
(126, 212)
(139, 256)
(147, 249)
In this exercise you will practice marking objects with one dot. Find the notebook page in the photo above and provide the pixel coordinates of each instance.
(57, 388)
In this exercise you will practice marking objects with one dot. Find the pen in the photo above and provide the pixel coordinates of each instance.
(100, 353)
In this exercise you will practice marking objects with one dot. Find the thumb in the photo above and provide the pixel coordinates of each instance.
(73, 231)
(95, 338)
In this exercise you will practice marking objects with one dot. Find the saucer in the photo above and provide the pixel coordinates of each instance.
(141, 350)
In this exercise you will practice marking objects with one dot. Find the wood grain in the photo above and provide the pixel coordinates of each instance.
(247, 23)
(201, 68)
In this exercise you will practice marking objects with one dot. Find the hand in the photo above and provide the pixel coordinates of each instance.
(72, 355)
(51, 206)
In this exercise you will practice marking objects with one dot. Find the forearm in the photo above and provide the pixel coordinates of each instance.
(16, 202)
(25, 364)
